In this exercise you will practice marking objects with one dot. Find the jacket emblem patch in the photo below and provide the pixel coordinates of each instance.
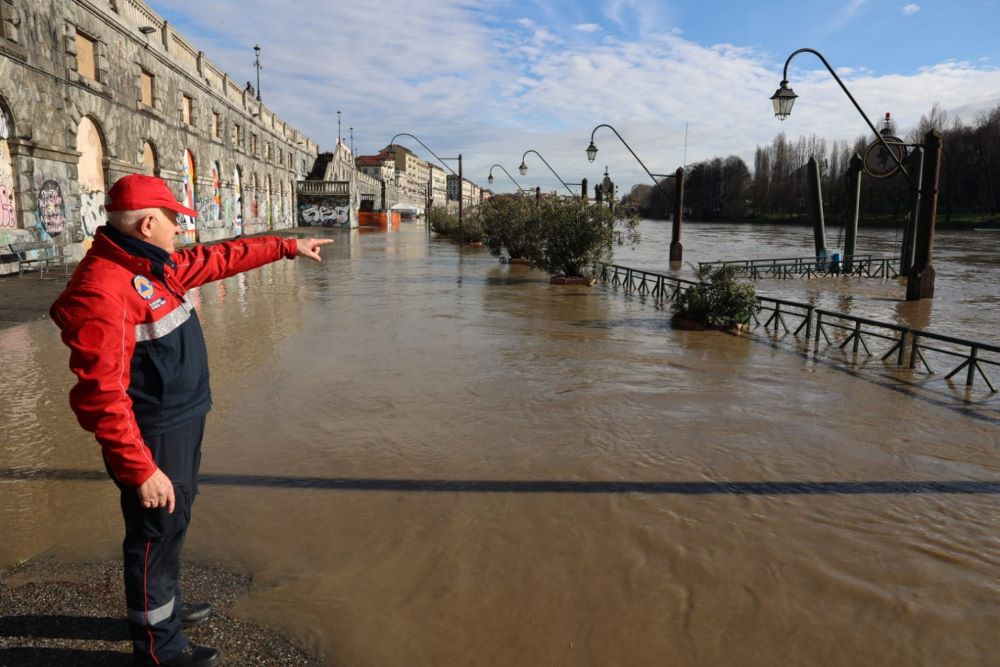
(153, 305)
(143, 286)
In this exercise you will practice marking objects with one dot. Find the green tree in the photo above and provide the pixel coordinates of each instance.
(574, 235)
(509, 222)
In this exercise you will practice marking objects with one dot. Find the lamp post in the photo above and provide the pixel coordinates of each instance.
(257, 66)
(920, 281)
(489, 179)
(524, 169)
(461, 208)
(676, 249)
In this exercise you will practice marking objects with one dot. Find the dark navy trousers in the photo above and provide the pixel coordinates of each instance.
(153, 542)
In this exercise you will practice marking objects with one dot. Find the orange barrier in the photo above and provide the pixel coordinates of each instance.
(387, 220)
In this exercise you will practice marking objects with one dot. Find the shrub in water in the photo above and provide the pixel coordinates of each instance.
(718, 300)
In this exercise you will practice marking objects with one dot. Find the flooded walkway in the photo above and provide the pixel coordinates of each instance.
(425, 458)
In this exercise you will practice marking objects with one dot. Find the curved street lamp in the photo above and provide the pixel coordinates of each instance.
(920, 281)
(785, 97)
(461, 198)
(676, 249)
(524, 169)
(489, 179)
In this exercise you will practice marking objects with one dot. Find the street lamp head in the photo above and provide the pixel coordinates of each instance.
(523, 168)
(489, 179)
(783, 99)
(591, 152)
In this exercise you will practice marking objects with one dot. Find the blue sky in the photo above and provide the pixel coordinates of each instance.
(493, 79)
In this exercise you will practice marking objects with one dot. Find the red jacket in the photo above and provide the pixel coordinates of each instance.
(136, 345)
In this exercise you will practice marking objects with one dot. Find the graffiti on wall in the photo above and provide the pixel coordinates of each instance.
(51, 208)
(189, 176)
(91, 210)
(8, 210)
(325, 211)
(216, 192)
(237, 204)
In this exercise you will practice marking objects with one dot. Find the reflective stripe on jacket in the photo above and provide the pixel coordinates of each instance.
(136, 345)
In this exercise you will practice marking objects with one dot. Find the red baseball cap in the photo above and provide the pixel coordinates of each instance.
(136, 191)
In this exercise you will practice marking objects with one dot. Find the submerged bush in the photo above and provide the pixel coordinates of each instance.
(447, 224)
(573, 236)
(509, 222)
(718, 300)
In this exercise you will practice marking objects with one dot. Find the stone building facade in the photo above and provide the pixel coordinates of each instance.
(91, 90)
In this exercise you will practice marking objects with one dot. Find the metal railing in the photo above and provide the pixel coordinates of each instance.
(817, 323)
(862, 266)
(323, 187)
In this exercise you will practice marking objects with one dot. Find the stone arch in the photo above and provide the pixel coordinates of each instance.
(8, 177)
(92, 146)
(150, 158)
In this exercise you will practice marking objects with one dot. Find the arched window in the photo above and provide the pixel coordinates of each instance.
(190, 174)
(8, 203)
(90, 175)
(150, 163)
(215, 208)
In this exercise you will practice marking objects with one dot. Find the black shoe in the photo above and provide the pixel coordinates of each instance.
(191, 656)
(195, 614)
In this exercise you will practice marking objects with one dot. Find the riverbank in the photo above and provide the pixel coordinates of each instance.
(60, 613)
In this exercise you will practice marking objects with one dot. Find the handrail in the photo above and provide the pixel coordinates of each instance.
(902, 337)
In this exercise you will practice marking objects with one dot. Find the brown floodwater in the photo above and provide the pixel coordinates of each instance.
(427, 458)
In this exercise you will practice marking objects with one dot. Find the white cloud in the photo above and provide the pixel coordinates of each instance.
(911, 9)
(587, 27)
(492, 89)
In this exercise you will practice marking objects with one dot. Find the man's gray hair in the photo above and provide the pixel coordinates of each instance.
(124, 220)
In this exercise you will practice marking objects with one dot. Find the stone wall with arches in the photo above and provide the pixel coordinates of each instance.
(144, 103)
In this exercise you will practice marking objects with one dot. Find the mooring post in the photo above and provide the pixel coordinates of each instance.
(920, 284)
(915, 164)
(851, 236)
(676, 249)
(816, 204)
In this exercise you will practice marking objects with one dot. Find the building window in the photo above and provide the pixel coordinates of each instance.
(186, 110)
(216, 123)
(147, 88)
(267, 150)
(253, 143)
(236, 135)
(281, 158)
(86, 56)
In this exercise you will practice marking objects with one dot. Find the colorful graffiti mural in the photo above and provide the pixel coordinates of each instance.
(8, 208)
(51, 208)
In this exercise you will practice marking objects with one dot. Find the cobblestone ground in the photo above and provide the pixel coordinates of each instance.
(55, 613)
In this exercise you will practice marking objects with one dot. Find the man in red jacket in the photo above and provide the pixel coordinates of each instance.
(137, 349)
